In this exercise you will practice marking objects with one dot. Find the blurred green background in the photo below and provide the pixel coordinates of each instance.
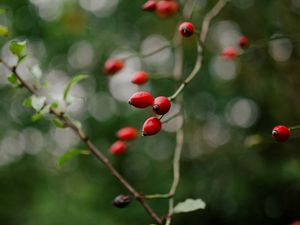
(229, 158)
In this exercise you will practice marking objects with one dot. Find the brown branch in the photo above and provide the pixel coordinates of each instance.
(94, 150)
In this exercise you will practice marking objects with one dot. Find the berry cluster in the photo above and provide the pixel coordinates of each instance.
(232, 52)
(160, 106)
(163, 8)
(125, 134)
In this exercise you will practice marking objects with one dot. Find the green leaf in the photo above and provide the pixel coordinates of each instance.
(18, 48)
(58, 123)
(189, 205)
(27, 102)
(69, 155)
(38, 102)
(12, 78)
(37, 116)
(54, 105)
(73, 81)
(3, 31)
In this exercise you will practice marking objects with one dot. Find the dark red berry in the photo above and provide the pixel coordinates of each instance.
(296, 223)
(161, 105)
(151, 126)
(186, 29)
(140, 77)
(229, 53)
(117, 148)
(141, 99)
(122, 201)
(149, 5)
(127, 133)
(243, 42)
(166, 8)
(113, 66)
(281, 133)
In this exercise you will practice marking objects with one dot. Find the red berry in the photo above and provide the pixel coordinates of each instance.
(127, 133)
(140, 77)
(166, 8)
(149, 5)
(161, 105)
(296, 223)
(151, 126)
(118, 148)
(243, 42)
(141, 99)
(113, 66)
(229, 53)
(281, 133)
(186, 29)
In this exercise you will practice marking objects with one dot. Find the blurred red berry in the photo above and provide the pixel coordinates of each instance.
(161, 105)
(166, 8)
(243, 42)
(186, 29)
(229, 53)
(140, 77)
(281, 133)
(296, 223)
(141, 99)
(150, 5)
(151, 126)
(113, 66)
(127, 133)
(118, 148)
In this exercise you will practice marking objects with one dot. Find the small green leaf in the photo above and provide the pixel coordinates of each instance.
(54, 105)
(58, 123)
(189, 205)
(3, 31)
(12, 78)
(18, 48)
(73, 81)
(27, 102)
(69, 155)
(38, 102)
(37, 116)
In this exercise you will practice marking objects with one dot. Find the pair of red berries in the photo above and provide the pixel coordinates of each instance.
(163, 8)
(125, 134)
(281, 133)
(231, 52)
(160, 106)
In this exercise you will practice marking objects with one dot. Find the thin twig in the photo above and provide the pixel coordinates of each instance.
(94, 150)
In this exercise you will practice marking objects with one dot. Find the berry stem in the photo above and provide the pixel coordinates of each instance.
(92, 148)
(294, 127)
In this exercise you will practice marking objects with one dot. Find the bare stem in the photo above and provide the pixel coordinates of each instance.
(201, 40)
(94, 150)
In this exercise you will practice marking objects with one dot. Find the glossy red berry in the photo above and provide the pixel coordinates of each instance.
(186, 29)
(161, 105)
(229, 53)
(140, 77)
(281, 133)
(127, 133)
(243, 42)
(150, 5)
(118, 148)
(166, 8)
(151, 126)
(141, 99)
(113, 66)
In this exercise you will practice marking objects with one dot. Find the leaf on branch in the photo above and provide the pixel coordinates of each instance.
(69, 155)
(27, 102)
(17, 48)
(54, 105)
(37, 116)
(3, 31)
(12, 78)
(189, 205)
(73, 81)
(58, 123)
(38, 102)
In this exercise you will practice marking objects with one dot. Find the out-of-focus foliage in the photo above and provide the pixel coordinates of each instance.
(229, 159)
